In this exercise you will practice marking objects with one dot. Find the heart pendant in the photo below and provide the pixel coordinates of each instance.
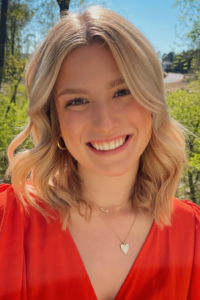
(103, 209)
(125, 248)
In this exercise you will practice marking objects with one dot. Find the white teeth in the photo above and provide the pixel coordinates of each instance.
(117, 143)
(112, 145)
(96, 146)
(121, 141)
(109, 146)
(106, 146)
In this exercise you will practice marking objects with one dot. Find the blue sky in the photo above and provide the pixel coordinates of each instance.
(156, 19)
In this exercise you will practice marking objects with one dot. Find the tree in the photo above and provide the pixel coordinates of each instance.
(168, 57)
(3, 22)
(194, 34)
(14, 72)
(18, 16)
(184, 62)
(190, 20)
(63, 4)
(189, 12)
(184, 107)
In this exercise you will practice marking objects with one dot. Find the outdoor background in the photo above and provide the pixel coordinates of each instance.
(173, 28)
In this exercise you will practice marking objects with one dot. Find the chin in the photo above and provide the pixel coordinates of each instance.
(112, 172)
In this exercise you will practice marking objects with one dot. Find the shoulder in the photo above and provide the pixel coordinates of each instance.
(186, 218)
(7, 198)
(11, 211)
(187, 209)
(7, 194)
(5, 190)
(18, 223)
(11, 242)
(190, 213)
(15, 216)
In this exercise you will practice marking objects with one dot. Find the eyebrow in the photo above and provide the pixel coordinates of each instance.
(109, 86)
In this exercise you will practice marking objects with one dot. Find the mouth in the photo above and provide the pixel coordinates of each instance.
(109, 145)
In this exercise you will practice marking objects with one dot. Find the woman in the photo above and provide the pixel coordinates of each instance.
(91, 212)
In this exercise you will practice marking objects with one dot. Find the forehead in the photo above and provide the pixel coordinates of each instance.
(84, 57)
(87, 52)
(88, 65)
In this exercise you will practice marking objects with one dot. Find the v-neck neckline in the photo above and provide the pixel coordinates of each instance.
(141, 253)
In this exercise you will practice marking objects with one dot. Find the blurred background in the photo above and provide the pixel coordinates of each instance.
(173, 28)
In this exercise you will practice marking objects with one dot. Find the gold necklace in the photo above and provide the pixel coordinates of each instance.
(124, 246)
(106, 210)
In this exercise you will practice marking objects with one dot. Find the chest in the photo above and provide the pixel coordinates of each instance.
(100, 250)
(86, 262)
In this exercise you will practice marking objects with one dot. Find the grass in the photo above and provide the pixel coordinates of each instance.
(172, 87)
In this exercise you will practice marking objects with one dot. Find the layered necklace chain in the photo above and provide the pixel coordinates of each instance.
(124, 245)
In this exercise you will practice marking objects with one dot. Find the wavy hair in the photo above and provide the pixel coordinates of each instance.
(53, 173)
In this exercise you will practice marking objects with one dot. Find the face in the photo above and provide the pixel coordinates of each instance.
(104, 128)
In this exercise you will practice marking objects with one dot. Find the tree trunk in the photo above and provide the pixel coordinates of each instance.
(192, 187)
(13, 99)
(13, 32)
(4, 9)
(63, 4)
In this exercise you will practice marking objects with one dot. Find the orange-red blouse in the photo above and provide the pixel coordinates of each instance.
(39, 261)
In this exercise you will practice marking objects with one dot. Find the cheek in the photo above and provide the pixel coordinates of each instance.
(140, 116)
(71, 126)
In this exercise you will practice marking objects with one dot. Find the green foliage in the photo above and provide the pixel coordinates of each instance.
(14, 68)
(194, 34)
(18, 16)
(46, 14)
(189, 19)
(12, 123)
(189, 10)
(184, 62)
(168, 56)
(184, 106)
(19, 13)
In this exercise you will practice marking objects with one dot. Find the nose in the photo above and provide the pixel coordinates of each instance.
(105, 117)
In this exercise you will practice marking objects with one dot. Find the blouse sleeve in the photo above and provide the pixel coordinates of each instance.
(194, 292)
(11, 244)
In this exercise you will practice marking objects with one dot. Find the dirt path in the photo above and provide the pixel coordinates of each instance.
(171, 87)
(173, 77)
(182, 84)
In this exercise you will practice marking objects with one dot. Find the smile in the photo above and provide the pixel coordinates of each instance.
(108, 145)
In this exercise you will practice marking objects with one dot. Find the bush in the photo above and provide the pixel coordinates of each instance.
(184, 106)
(11, 122)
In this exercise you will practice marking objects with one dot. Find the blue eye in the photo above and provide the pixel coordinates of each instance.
(76, 102)
(121, 93)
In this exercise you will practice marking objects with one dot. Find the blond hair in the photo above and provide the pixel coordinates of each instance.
(54, 175)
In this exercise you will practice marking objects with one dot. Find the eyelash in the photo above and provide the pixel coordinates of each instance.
(75, 99)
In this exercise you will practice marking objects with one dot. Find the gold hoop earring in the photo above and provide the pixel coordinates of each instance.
(58, 144)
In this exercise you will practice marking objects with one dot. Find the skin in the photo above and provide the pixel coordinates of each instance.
(103, 115)
(107, 179)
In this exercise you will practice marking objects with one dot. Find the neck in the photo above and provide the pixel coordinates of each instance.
(111, 193)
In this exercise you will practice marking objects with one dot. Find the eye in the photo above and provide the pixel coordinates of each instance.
(121, 93)
(76, 102)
